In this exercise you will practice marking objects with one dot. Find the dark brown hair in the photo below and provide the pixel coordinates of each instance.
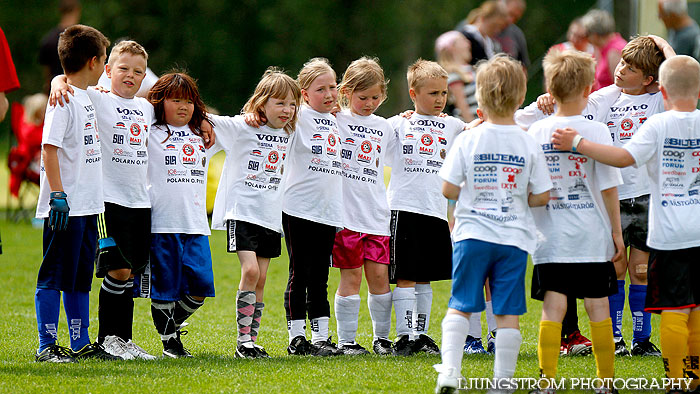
(177, 85)
(78, 44)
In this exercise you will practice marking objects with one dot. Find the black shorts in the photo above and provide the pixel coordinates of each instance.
(248, 236)
(131, 230)
(674, 279)
(634, 217)
(421, 248)
(579, 280)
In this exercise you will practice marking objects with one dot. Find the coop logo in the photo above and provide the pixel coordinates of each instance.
(512, 170)
(485, 168)
(578, 159)
(675, 153)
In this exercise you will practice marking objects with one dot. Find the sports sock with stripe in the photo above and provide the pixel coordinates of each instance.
(319, 329)
(454, 333)
(475, 325)
(48, 305)
(548, 345)
(127, 302)
(77, 306)
(347, 310)
(603, 348)
(257, 317)
(162, 313)
(673, 338)
(641, 321)
(296, 328)
(421, 312)
(693, 360)
(617, 305)
(185, 308)
(110, 307)
(508, 343)
(245, 307)
(380, 313)
(404, 299)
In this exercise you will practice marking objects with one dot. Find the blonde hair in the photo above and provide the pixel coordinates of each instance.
(34, 108)
(568, 73)
(422, 70)
(361, 74)
(448, 58)
(313, 69)
(680, 77)
(488, 9)
(500, 85)
(276, 84)
(641, 52)
(126, 46)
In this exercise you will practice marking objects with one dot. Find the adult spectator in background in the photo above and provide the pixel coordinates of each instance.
(683, 31)
(600, 27)
(8, 75)
(48, 52)
(481, 28)
(577, 39)
(512, 39)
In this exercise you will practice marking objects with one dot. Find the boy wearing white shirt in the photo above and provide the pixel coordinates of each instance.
(669, 144)
(584, 196)
(496, 173)
(416, 153)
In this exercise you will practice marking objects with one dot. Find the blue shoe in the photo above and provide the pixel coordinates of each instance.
(491, 342)
(473, 346)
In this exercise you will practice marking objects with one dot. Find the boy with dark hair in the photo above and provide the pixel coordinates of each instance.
(71, 177)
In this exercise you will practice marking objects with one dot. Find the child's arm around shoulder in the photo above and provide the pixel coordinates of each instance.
(568, 139)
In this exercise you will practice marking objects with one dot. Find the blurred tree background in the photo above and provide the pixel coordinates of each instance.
(227, 45)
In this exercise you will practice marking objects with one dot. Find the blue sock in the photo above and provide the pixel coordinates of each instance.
(77, 306)
(617, 305)
(641, 321)
(48, 305)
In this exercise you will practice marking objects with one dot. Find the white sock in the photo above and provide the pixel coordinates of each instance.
(296, 328)
(421, 312)
(490, 318)
(404, 299)
(319, 329)
(347, 310)
(475, 325)
(508, 343)
(454, 333)
(380, 312)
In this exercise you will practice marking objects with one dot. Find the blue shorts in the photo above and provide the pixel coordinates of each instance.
(69, 255)
(180, 264)
(472, 262)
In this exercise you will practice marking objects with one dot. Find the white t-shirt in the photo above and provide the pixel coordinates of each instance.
(364, 143)
(73, 128)
(313, 188)
(177, 181)
(416, 152)
(623, 118)
(250, 188)
(497, 167)
(669, 145)
(575, 201)
(124, 125)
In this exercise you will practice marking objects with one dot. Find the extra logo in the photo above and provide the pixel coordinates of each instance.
(188, 156)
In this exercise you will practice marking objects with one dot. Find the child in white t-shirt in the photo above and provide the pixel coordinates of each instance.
(249, 197)
(181, 275)
(364, 240)
(580, 226)
(669, 145)
(421, 248)
(495, 172)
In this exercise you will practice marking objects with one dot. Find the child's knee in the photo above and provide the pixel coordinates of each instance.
(120, 274)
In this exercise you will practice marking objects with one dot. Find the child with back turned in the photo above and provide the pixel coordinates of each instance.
(580, 226)
(669, 145)
(502, 172)
(70, 198)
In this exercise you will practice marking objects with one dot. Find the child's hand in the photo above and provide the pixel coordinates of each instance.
(58, 215)
(563, 139)
(101, 89)
(443, 115)
(254, 119)
(336, 109)
(59, 91)
(407, 114)
(663, 45)
(620, 251)
(208, 134)
(545, 103)
(473, 123)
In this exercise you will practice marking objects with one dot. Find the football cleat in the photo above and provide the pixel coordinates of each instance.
(116, 346)
(352, 349)
(299, 346)
(247, 350)
(382, 347)
(94, 351)
(578, 345)
(261, 351)
(491, 342)
(645, 348)
(448, 380)
(403, 346)
(138, 352)
(425, 344)
(325, 348)
(620, 347)
(54, 354)
(473, 346)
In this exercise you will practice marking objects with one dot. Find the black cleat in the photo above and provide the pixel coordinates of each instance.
(382, 347)
(94, 351)
(173, 347)
(300, 346)
(243, 351)
(54, 354)
(645, 348)
(403, 346)
(620, 347)
(325, 348)
(352, 349)
(425, 344)
(261, 351)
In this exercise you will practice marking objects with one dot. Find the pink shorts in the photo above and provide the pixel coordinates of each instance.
(351, 249)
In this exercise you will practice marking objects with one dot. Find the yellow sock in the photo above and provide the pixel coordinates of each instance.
(673, 338)
(693, 360)
(603, 348)
(548, 346)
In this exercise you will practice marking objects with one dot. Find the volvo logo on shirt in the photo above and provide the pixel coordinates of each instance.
(363, 129)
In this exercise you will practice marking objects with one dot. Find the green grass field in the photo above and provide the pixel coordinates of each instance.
(212, 338)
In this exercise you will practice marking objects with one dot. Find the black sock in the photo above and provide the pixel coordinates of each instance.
(162, 312)
(185, 308)
(127, 304)
(109, 308)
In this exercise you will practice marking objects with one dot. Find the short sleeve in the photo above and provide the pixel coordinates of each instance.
(454, 168)
(540, 180)
(527, 116)
(600, 101)
(226, 128)
(644, 142)
(607, 176)
(56, 123)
